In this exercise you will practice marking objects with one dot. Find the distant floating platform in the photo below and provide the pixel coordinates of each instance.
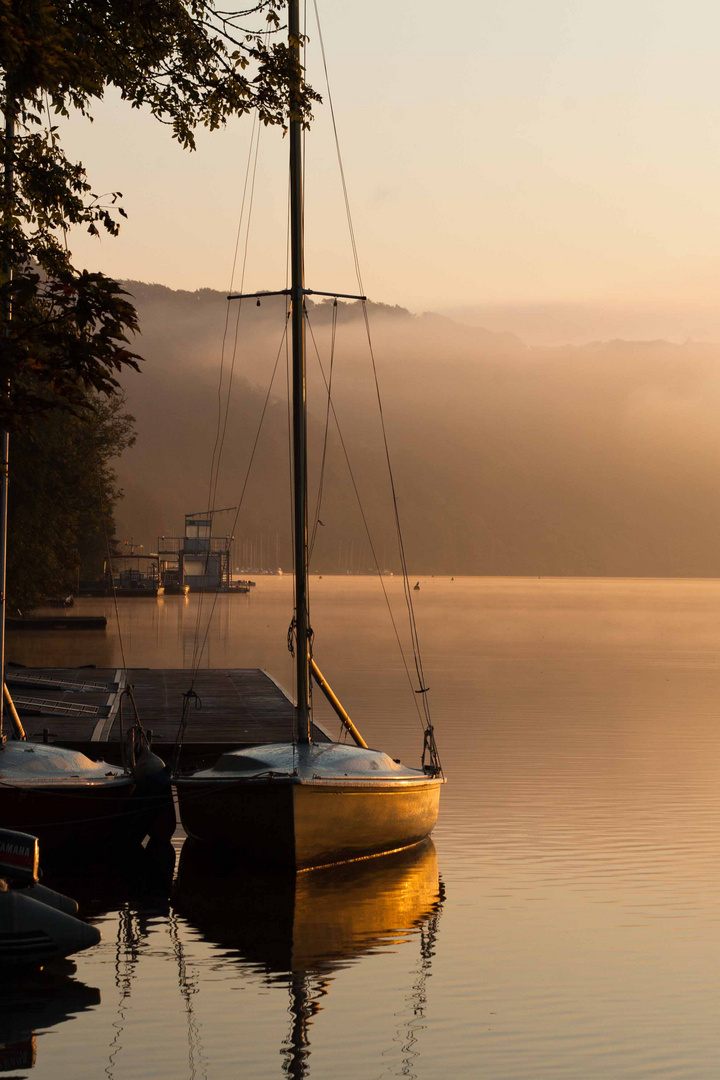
(80, 708)
(56, 622)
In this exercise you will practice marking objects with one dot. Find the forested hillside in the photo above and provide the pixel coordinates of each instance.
(594, 459)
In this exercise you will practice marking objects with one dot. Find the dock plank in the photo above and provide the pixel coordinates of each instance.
(233, 707)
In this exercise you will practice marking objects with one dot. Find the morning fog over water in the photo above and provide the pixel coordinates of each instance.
(564, 920)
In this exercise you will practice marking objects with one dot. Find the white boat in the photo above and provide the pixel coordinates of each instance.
(303, 804)
(62, 796)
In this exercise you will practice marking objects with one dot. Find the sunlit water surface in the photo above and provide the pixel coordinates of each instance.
(567, 920)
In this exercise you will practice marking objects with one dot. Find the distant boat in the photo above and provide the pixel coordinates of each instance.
(303, 804)
(137, 583)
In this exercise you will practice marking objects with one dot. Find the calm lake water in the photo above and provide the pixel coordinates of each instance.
(566, 921)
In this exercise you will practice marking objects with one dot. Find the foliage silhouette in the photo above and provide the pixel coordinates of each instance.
(64, 331)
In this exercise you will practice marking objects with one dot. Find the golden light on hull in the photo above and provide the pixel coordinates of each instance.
(301, 823)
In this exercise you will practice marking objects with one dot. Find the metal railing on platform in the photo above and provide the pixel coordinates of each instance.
(45, 682)
(50, 707)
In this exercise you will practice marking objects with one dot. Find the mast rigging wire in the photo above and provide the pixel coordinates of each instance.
(220, 434)
(222, 413)
(242, 492)
(200, 643)
(366, 525)
(429, 732)
(321, 482)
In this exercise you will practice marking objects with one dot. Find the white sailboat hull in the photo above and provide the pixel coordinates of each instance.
(63, 797)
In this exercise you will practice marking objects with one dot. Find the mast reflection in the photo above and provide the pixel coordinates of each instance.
(307, 926)
(136, 884)
(304, 1005)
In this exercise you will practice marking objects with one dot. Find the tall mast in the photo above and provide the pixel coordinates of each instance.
(297, 294)
(4, 437)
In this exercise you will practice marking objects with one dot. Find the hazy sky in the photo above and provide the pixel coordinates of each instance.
(515, 152)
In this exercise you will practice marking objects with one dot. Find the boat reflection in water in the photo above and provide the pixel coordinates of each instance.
(33, 1002)
(310, 924)
(137, 879)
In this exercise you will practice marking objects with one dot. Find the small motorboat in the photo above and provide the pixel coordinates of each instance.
(36, 924)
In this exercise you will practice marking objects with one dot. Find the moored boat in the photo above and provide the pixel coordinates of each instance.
(62, 796)
(129, 581)
(36, 924)
(309, 805)
(302, 804)
(32, 932)
(174, 588)
(71, 801)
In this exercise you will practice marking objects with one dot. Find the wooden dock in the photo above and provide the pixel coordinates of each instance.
(56, 622)
(81, 708)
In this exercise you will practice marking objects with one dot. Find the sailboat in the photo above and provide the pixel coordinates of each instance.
(63, 797)
(304, 804)
(69, 801)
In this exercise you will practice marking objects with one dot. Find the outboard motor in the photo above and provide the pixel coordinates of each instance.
(37, 924)
(19, 858)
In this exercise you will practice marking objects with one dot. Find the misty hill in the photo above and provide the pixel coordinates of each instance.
(594, 459)
(553, 322)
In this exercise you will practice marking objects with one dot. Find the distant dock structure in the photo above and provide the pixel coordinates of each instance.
(198, 559)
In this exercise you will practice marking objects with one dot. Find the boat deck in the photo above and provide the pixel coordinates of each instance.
(81, 708)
